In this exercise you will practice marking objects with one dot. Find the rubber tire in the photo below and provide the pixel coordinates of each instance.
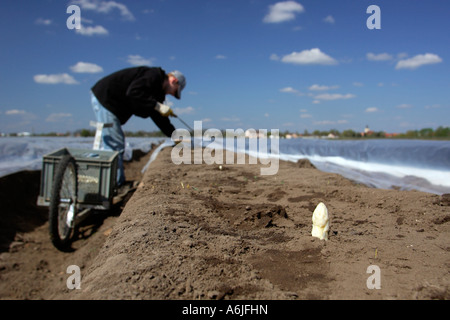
(65, 181)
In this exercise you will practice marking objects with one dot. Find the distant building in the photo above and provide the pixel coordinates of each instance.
(292, 136)
(331, 136)
(390, 135)
(367, 132)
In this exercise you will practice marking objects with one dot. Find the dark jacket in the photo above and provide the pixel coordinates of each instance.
(134, 91)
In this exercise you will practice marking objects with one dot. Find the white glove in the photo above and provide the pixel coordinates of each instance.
(165, 110)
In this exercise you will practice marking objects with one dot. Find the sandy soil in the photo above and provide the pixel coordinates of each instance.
(201, 232)
(30, 267)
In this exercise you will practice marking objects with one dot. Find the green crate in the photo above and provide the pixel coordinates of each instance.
(96, 172)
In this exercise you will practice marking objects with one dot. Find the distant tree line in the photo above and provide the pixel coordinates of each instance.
(426, 133)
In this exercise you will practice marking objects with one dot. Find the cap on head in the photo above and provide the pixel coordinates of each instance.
(181, 81)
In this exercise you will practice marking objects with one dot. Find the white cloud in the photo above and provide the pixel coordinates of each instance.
(57, 117)
(18, 120)
(220, 57)
(334, 96)
(101, 6)
(372, 109)
(379, 57)
(54, 79)
(418, 61)
(138, 60)
(14, 112)
(92, 31)
(86, 67)
(283, 11)
(43, 22)
(306, 57)
(316, 87)
(88, 21)
(404, 106)
(403, 62)
(274, 57)
(329, 19)
(291, 90)
(358, 84)
(288, 90)
(187, 110)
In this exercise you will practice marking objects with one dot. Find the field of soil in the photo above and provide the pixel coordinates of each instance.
(215, 232)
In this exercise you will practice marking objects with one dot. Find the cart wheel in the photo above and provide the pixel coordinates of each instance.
(63, 203)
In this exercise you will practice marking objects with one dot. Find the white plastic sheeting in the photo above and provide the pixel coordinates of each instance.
(404, 164)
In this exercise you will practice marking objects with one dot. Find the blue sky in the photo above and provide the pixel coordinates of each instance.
(260, 64)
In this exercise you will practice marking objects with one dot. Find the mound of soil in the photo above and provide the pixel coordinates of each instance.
(226, 232)
(30, 267)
